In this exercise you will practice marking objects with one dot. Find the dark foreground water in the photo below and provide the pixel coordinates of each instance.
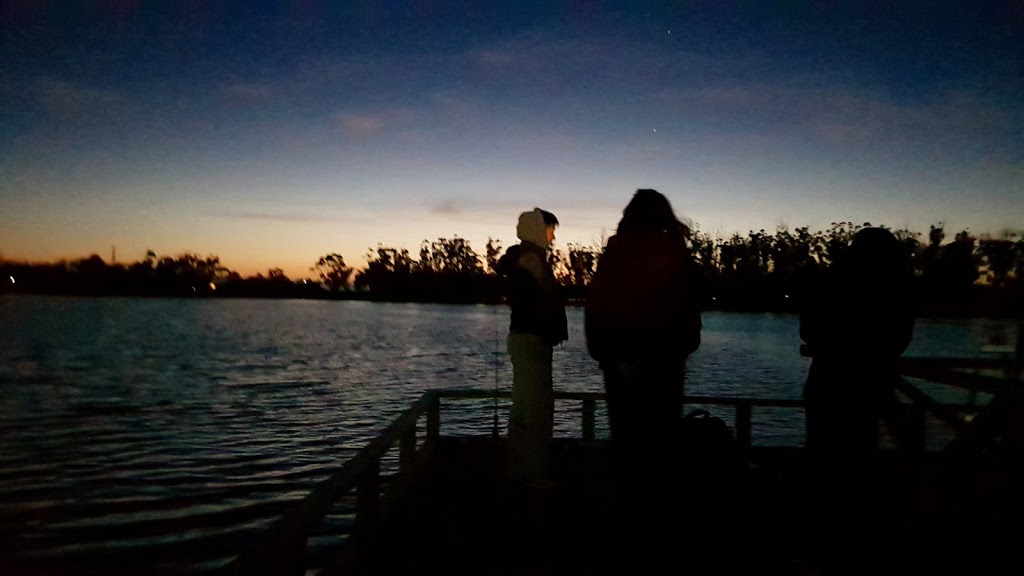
(120, 418)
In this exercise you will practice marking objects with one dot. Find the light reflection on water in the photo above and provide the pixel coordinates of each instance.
(126, 413)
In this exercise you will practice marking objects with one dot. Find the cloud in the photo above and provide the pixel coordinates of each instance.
(366, 124)
(617, 65)
(494, 58)
(532, 57)
(957, 123)
(248, 93)
(446, 206)
(65, 99)
(277, 217)
(849, 117)
(373, 123)
(450, 104)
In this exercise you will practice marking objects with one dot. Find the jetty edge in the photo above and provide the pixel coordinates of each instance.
(446, 506)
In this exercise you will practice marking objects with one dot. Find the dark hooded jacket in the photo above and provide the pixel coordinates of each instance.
(533, 293)
(859, 319)
(643, 304)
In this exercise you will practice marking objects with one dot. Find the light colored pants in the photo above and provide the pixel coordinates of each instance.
(532, 417)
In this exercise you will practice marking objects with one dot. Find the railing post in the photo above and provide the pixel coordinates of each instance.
(589, 410)
(284, 555)
(434, 418)
(407, 450)
(368, 509)
(1019, 352)
(743, 416)
(1015, 362)
(915, 428)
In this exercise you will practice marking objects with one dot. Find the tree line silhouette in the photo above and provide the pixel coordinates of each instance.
(761, 271)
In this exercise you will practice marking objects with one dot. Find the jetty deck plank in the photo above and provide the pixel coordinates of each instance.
(463, 518)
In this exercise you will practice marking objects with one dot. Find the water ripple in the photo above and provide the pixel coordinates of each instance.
(151, 433)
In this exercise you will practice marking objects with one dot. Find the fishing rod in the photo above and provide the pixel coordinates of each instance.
(497, 332)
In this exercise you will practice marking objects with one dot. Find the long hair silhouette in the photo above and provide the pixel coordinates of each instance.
(650, 212)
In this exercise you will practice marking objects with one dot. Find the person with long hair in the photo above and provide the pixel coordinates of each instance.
(642, 320)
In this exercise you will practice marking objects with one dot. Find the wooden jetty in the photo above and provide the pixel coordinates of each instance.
(447, 507)
(421, 497)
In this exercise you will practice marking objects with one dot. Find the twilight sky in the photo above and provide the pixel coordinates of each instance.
(272, 136)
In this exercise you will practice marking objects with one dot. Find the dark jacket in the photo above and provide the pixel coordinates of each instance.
(857, 322)
(643, 304)
(533, 293)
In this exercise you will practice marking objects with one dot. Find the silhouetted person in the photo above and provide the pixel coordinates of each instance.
(642, 320)
(857, 323)
(538, 323)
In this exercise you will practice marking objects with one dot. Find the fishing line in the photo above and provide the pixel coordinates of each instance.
(494, 426)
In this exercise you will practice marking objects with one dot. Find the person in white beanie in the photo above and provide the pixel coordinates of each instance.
(538, 323)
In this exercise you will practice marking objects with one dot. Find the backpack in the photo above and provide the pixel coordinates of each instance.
(715, 477)
(713, 457)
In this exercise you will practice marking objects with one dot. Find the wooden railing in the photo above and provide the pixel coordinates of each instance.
(1000, 377)
(588, 407)
(744, 410)
(991, 375)
(281, 551)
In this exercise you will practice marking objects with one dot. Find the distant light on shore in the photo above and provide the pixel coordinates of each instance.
(213, 286)
(12, 279)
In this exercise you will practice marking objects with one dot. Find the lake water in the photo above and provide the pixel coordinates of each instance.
(122, 416)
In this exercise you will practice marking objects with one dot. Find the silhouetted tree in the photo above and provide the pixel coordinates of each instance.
(912, 246)
(705, 253)
(559, 266)
(932, 252)
(582, 264)
(452, 255)
(388, 274)
(492, 253)
(1018, 267)
(89, 276)
(188, 273)
(753, 272)
(1000, 257)
(332, 270)
(837, 239)
(961, 263)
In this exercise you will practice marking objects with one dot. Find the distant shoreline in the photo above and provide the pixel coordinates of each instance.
(953, 312)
